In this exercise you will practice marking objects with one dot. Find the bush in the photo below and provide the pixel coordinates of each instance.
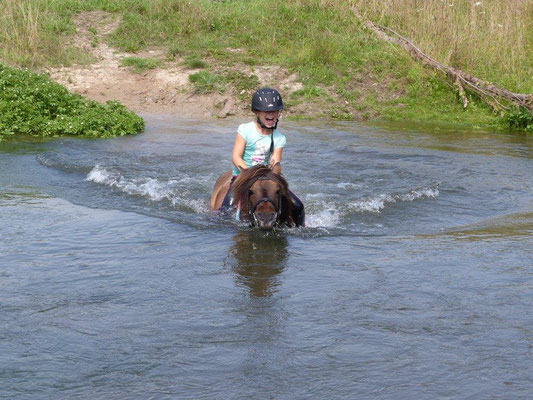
(520, 118)
(32, 104)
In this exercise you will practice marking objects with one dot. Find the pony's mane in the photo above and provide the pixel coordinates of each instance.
(245, 180)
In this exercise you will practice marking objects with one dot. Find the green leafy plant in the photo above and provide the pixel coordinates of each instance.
(32, 104)
(520, 118)
(173, 51)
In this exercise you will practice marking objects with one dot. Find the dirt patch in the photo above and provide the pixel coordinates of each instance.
(165, 89)
(154, 91)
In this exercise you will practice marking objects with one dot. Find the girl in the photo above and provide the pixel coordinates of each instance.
(259, 142)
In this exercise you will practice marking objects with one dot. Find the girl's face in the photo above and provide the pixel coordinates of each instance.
(268, 118)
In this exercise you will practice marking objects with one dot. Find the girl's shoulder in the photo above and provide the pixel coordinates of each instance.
(247, 126)
(247, 129)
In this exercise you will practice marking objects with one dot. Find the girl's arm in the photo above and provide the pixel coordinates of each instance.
(238, 151)
(276, 156)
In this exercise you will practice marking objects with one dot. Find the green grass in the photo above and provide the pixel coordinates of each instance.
(319, 40)
(193, 62)
(31, 104)
(138, 64)
(241, 81)
(206, 82)
(309, 92)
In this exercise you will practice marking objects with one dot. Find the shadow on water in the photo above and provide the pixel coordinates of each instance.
(256, 260)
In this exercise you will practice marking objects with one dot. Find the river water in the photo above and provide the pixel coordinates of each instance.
(412, 279)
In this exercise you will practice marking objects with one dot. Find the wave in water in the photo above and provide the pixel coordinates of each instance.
(378, 203)
(330, 214)
(153, 189)
(319, 212)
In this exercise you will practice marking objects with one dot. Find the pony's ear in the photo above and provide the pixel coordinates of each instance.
(276, 168)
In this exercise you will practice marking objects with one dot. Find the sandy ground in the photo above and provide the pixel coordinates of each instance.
(162, 90)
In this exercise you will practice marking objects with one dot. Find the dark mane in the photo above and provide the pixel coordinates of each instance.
(245, 180)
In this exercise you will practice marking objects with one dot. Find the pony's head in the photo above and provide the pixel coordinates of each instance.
(263, 196)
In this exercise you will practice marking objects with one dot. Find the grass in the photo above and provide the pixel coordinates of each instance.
(205, 82)
(319, 40)
(309, 92)
(138, 64)
(194, 62)
(490, 39)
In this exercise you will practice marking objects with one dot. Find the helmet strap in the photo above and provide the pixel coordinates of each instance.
(266, 127)
(271, 132)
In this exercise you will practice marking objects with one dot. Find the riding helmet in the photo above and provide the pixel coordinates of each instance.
(267, 99)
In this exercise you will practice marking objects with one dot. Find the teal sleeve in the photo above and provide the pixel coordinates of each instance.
(242, 131)
(279, 141)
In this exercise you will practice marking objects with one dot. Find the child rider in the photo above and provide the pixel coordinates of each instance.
(259, 142)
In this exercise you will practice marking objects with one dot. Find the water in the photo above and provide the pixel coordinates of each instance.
(413, 278)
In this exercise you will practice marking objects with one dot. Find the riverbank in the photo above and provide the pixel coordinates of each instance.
(205, 58)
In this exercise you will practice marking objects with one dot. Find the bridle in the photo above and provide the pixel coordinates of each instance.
(252, 208)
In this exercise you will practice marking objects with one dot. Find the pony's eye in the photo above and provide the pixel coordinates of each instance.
(250, 193)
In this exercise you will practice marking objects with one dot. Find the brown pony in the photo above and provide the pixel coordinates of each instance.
(260, 195)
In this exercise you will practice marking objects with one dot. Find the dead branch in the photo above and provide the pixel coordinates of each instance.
(486, 91)
(461, 92)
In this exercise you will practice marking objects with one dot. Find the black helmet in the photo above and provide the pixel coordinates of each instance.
(267, 99)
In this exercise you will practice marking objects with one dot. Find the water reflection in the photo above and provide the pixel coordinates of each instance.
(257, 259)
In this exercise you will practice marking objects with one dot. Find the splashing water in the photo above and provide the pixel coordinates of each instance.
(153, 189)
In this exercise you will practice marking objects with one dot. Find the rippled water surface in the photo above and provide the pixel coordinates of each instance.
(412, 279)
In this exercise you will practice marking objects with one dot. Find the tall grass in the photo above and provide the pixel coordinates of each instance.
(493, 39)
(35, 33)
(20, 31)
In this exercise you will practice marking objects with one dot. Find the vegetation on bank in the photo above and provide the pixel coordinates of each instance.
(346, 72)
(31, 104)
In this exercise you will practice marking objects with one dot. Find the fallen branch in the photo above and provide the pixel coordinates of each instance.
(486, 91)
(461, 91)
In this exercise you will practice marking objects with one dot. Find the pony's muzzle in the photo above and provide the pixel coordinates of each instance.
(265, 215)
(266, 221)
